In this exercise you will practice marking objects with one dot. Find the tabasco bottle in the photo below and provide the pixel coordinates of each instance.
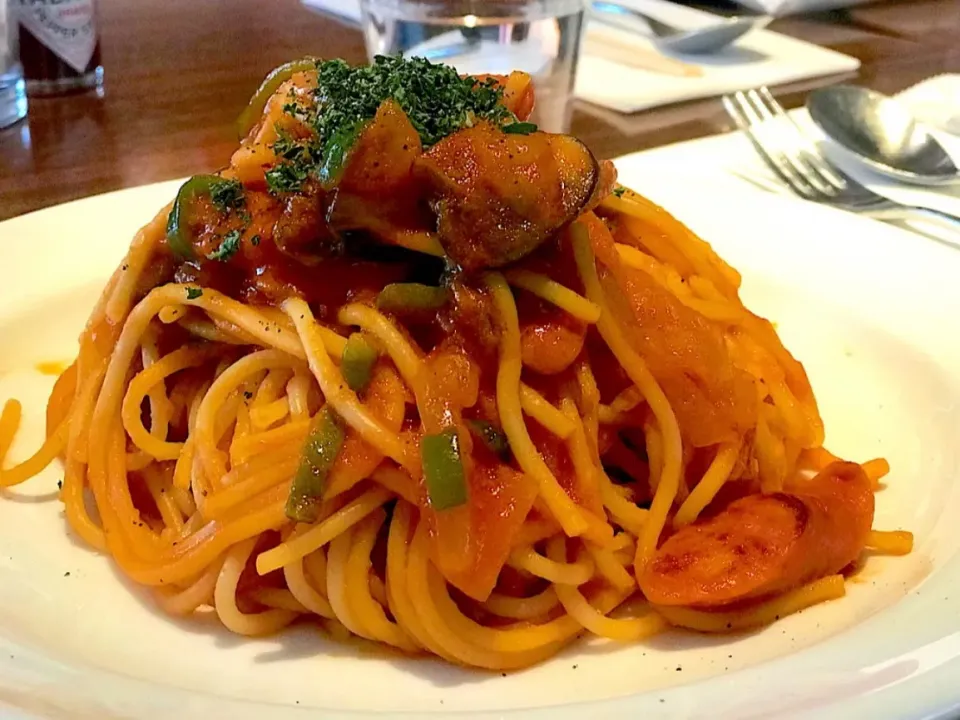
(59, 45)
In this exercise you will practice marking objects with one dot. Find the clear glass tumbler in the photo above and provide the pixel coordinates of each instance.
(541, 37)
(13, 97)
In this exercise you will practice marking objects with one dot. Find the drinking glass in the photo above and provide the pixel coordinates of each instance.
(13, 97)
(540, 37)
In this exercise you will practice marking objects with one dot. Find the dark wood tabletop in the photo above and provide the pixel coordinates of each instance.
(179, 71)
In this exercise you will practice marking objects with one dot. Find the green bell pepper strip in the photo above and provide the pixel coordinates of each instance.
(443, 469)
(279, 75)
(336, 153)
(357, 361)
(178, 235)
(407, 297)
(318, 455)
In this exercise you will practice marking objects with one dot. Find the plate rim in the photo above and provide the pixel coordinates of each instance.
(886, 697)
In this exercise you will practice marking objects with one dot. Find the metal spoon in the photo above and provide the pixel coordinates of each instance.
(882, 133)
(698, 41)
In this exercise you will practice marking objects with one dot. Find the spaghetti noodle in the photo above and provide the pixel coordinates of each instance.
(420, 372)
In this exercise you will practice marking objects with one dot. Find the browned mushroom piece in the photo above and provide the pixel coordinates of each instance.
(498, 196)
(302, 232)
(376, 191)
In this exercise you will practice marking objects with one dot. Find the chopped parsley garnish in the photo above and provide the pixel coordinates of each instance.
(193, 293)
(435, 98)
(285, 146)
(619, 191)
(227, 195)
(228, 246)
(520, 128)
(287, 177)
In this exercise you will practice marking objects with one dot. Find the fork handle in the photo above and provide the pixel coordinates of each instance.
(911, 211)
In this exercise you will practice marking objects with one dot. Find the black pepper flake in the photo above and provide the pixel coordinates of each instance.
(59, 484)
(247, 394)
(124, 267)
(501, 674)
(679, 669)
(67, 574)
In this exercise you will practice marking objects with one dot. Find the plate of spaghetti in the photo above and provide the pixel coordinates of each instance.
(414, 397)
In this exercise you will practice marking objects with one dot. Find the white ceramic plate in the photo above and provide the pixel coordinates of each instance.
(870, 310)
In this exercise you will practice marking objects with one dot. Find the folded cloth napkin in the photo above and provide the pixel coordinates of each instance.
(779, 8)
(621, 70)
(936, 101)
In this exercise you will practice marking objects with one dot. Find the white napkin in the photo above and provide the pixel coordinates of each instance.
(779, 8)
(609, 74)
(936, 101)
(730, 157)
(759, 58)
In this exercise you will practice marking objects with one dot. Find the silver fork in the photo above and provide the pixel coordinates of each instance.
(797, 161)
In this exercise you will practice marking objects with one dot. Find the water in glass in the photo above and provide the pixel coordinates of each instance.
(13, 98)
(541, 37)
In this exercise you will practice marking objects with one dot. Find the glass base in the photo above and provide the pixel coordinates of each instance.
(93, 80)
(13, 99)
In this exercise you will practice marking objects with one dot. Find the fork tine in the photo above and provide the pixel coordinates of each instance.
(811, 154)
(793, 157)
(789, 139)
(745, 119)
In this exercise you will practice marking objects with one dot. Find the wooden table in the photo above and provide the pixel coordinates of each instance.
(179, 71)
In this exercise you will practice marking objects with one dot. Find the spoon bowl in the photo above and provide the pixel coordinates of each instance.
(711, 39)
(689, 41)
(882, 133)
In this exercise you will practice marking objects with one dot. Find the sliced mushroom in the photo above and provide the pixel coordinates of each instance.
(498, 196)
(302, 232)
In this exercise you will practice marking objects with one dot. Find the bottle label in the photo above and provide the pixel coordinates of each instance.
(67, 27)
